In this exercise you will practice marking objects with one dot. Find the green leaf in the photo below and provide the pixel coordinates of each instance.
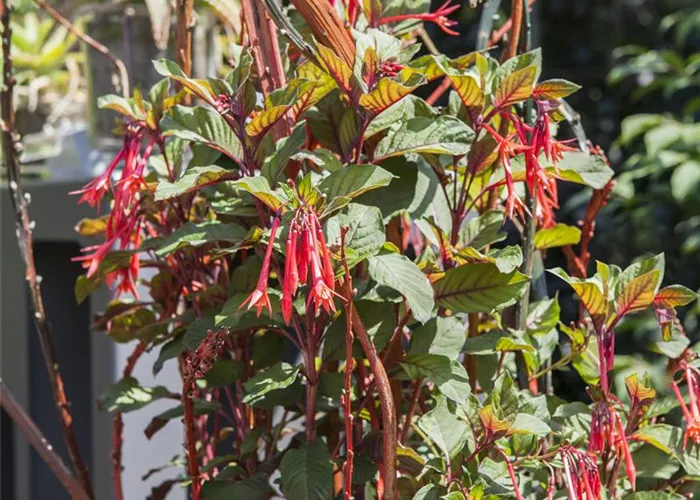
(307, 472)
(354, 180)
(504, 397)
(122, 106)
(259, 187)
(194, 178)
(224, 372)
(675, 296)
(479, 288)
(495, 340)
(447, 374)
(685, 180)
(637, 294)
(589, 292)
(388, 92)
(542, 316)
(263, 385)
(201, 88)
(557, 236)
(529, 424)
(128, 395)
(203, 126)
(663, 436)
(285, 148)
(197, 331)
(483, 230)
(515, 88)
(195, 235)
(415, 189)
(399, 273)
(442, 426)
(555, 89)
(365, 235)
(583, 168)
(256, 487)
(170, 350)
(445, 135)
(444, 336)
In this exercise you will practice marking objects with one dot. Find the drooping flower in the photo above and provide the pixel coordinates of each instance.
(580, 473)
(307, 255)
(507, 148)
(439, 17)
(123, 228)
(691, 411)
(259, 298)
(608, 433)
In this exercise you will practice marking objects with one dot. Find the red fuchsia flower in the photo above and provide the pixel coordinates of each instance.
(123, 228)
(259, 298)
(608, 433)
(506, 150)
(691, 412)
(307, 254)
(439, 17)
(581, 474)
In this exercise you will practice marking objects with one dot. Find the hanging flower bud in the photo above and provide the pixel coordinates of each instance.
(259, 298)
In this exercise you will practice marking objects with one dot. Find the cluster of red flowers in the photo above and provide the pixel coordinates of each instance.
(123, 227)
(691, 411)
(608, 433)
(581, 474)
(308, 262)
(533, 141)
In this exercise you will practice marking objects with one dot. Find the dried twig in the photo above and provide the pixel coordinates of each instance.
(118, 64)
(43, 448)
(24, 226)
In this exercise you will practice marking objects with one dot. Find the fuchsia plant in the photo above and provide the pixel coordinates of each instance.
(365, 227)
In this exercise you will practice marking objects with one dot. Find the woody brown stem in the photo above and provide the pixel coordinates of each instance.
(183, 39)
(37, 440)
(26, 245)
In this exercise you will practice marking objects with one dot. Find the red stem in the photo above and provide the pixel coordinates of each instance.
(349, 365)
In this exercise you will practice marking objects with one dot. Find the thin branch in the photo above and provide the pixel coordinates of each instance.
(183, 39)
(118, 64)
(31, 432)
(24, 229)
(389, 442)
(349, 365)
(118, 426)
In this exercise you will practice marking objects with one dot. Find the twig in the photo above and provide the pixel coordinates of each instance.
(118, 426)
(183, 48)
(118, 64)
(26, 247)
(349, 365)
(31, 432)
(531, 200)
(183, 39)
